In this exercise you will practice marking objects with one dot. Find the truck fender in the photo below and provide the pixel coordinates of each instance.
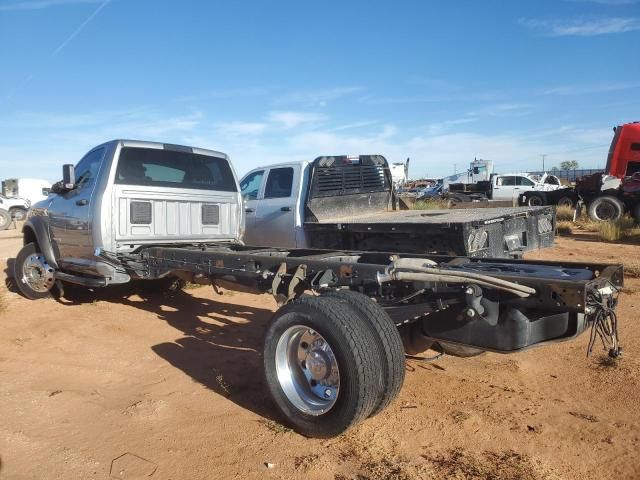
(36, 230)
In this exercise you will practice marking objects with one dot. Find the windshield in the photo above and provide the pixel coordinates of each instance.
(168, 168)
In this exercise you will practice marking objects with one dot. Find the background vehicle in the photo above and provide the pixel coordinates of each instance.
(17, 207)
(31, 189)
(149, 212)
(347, 202)
(608, 194)
(504, 187)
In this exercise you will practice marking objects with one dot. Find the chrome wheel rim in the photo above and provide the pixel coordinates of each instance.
(19, 215)
(307, 370)
(37, 273)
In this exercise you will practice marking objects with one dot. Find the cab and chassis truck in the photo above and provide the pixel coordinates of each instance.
(333, 353)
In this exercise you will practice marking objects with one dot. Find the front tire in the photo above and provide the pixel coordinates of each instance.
(535, 200)
(18, 213)
(32, 274)
(605, 209)
(5, 219)
(322, 366)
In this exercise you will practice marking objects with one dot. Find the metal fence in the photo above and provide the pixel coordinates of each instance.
(571, 175)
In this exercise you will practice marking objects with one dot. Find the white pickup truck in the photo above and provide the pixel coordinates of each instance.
(347, 202)
(143, 211)
(502, 187)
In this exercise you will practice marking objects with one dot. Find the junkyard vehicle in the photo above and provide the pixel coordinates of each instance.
(17, 207)
(503, 187)
(608, 195)
(147, 211)
(347, 202)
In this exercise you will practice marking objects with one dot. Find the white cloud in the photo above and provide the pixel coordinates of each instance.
(242, 128)
(315, 98)
(41, 4)
(289, 120)
(586, 89)
(583, 27)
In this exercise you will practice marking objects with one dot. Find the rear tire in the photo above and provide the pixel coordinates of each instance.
(5, 219)
(565, 202)
(32, 274)
(535, 200)
(390, 348)
(605, 209)
(311, 340)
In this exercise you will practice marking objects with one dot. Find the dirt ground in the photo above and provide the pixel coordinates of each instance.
(112, 384)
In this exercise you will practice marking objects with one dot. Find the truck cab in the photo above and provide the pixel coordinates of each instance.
(125, 194)
(272, 204)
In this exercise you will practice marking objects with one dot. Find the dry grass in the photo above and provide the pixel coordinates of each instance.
(564, 213)
(431, 204)
(632, 268)
(616, 231)
(564, 227)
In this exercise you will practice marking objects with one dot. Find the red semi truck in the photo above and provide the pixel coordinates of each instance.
(610, 194)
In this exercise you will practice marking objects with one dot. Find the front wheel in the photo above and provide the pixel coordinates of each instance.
(535, 200)
(322, 366)
(33, 275)
(18, 213)
(5, 219)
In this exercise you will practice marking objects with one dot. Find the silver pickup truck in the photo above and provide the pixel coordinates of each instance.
(348, 202)
(140, 211)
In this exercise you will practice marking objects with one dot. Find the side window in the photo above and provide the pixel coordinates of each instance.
(524, 181)
(632, 168)
(506, 181)
(250, 185)
(279, 183)
(87, 168)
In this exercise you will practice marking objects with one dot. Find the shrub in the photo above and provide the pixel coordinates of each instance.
(564, 227)
(564, 213)
(615, 231)
(430, 204)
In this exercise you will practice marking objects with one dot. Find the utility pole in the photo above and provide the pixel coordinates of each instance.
(543, 157)
(455, 170)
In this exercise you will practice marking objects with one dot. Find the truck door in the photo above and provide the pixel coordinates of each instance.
(69, 213)
(504, 187)
(251, 187)
(276, 212)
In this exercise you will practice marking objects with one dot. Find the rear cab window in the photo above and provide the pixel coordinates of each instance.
(174, 169)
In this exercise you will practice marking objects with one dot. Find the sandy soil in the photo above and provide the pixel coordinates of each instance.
(112, 384)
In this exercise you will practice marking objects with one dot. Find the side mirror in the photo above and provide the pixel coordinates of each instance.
(68, 177)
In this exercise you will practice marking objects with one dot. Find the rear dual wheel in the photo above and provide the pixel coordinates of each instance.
(327, 364)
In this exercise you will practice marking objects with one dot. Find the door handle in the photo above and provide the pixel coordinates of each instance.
(82, 202)
(285, 209)
(249, 210)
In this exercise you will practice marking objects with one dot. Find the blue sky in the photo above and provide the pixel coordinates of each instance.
(272, 81)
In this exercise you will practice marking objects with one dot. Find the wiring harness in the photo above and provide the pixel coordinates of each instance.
(604, 322)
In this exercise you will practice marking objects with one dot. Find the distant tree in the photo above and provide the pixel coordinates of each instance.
(555, 169)
(569, 165)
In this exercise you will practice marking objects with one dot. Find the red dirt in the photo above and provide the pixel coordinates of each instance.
(112, 384)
